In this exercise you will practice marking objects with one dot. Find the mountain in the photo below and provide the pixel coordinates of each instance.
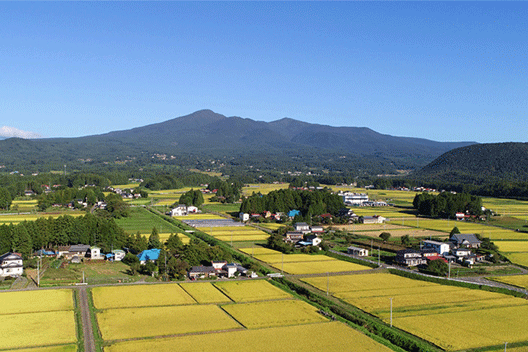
(476, 163)
(206, 133)
(8, 132)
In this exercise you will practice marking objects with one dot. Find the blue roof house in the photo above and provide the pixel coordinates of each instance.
(149, 255)
(293, 213)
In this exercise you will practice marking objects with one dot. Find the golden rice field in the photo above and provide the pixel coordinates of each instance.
(165, 202)
(243, 230)
(274, 313)
(15, 219)
(35, 301)
(204, 292)
(248, 291)
(386, 212)
(165, 236)
(126, 323)
(127, 186)
(263, 188)
(62, 348)
(140, 296)
(509, 207)
(338, 337)
(318, 267)
(512, 246)
(202, 216)
(515, 280)
(432, 311)
(258, 251)
(271, 226)
(518, 258)
(293, 258)
(38, 329)
(31, 317)
(24, 205)
(494, 233)
(244, 238)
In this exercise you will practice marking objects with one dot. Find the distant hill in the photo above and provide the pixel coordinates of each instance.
(480, 162)
(206, 133)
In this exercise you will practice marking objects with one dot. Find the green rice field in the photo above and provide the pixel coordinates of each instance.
(142, 220)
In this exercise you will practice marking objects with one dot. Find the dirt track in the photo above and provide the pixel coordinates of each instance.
(89, 342)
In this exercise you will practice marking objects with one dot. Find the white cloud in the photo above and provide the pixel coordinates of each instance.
(8, 132)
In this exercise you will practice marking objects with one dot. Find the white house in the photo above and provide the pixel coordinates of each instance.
(95, 253)
(180, 210)
(302, 227)
(11, 265)
(376, 219)
(360, 252)
(440, 247)
(243, 217)
(351, 198)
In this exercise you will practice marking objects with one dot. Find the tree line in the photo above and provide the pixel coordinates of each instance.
(447, 204)
(309, 203)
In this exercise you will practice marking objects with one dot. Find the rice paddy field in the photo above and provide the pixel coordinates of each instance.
(494, 233)
(434, 312)
(302, 264)
(37, 319)
(127, 186)
(24, 205)
(142, 220)
(165, 236)
(64, 348)
(225, 316)
(271, 226)
(263, 188)
(18, 218)
(515, 280)
(201, 216)
(236, 233)
(337, 338)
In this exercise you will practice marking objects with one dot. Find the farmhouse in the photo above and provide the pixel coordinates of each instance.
(201, 272)
(440, 247)
(78, 250)
(465, 240)
(302, 227)
(95, 253)
(11, 264)
(410, 257)
(149, 255)
(376, 219)
(243, 217)
(360, 252)
(293, 236)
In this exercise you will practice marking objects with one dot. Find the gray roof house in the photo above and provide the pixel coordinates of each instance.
(467, 240)
(11, 264)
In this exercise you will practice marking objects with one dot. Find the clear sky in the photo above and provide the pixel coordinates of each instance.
(453, 71)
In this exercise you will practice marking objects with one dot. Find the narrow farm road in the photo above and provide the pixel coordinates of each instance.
(89, 342)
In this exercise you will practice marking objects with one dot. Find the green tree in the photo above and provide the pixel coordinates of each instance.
(405, 240)
(5, 198)
(385, 236)
(154, 239)
(455, 230)
(438, 267)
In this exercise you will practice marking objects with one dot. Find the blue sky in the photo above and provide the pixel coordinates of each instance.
(453, 71)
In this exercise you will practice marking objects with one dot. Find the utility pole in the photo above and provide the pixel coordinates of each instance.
(379, 256)
(38, 272)
(282, 266)
(449, 272)
(391, 312)
(327, 283)
(505, 344)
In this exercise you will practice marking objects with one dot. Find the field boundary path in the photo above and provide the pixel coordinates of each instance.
(89, 341)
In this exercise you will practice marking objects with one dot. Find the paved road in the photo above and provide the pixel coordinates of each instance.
(89, 342)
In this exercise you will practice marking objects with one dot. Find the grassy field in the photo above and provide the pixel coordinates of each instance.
(222, 208)
(142, 220)
(32, 318)
(432, 311)
(274, 313)
(337, 337)
(94, 272)
(140, 296)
